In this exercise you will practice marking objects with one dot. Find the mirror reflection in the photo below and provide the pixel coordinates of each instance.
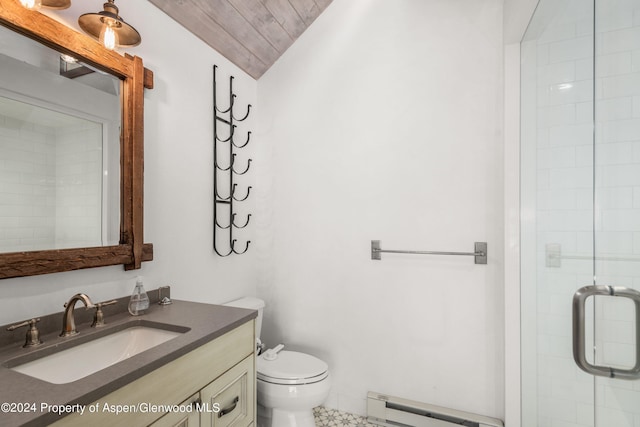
(59, 150)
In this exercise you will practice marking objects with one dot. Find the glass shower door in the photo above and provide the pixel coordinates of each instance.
(580, 204)
(617, 211)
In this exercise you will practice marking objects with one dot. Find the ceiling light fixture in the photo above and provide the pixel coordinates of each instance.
(68, 58)
(108, 27)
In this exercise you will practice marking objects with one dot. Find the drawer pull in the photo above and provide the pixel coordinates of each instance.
(229, 408)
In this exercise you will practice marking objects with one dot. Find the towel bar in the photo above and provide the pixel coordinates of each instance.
(479, 253)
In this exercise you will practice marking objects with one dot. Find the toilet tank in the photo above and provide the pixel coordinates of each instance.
(252, 304)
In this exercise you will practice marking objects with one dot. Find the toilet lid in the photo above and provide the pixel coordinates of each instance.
(292, 367)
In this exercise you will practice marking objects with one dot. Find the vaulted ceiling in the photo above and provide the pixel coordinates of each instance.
(252, 34)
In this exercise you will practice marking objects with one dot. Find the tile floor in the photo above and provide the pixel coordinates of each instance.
(334, 418)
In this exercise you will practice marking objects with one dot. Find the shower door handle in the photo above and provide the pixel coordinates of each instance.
(579, 355)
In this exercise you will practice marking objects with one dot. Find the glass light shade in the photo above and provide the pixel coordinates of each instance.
(31, 4)
(108, 37)
(49, 4)
(68, 59)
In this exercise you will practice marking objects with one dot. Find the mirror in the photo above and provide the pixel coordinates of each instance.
(90, 175)
(60, 150)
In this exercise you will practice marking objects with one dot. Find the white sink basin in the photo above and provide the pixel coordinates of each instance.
(85, 359)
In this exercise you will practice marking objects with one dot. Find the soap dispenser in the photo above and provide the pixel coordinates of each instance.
(139, 301)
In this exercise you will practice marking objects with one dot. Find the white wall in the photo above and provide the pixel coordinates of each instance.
(384, 121)
(178, 180)
(517, 14)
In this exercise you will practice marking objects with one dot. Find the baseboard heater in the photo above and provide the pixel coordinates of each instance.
(392, 411)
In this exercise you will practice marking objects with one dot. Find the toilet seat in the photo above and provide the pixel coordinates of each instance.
(292, 368)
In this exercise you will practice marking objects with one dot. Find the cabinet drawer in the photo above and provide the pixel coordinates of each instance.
(181, 419)
(233, 396)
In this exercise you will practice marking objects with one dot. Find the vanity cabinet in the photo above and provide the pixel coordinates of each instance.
(219, 376)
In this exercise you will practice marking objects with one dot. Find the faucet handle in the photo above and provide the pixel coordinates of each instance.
(166, 299)
(33, 335)
(98, 317)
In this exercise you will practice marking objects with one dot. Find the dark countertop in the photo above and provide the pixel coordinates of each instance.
(204, 322)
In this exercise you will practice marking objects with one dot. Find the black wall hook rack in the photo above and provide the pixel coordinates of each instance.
(224, 172)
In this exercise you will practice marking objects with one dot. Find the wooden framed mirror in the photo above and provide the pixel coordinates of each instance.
(131, 251)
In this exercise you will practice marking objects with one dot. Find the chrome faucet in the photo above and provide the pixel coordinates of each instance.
(68, 321)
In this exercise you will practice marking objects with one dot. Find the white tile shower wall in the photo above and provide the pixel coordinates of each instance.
(27, 185)
(383, 122)
(50, 185)
(79, 186)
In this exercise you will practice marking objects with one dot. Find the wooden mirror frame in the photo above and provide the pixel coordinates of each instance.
(135, 78)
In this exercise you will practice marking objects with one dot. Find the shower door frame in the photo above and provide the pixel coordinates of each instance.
(512, 215)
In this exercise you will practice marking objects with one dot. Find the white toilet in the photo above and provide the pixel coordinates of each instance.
(290, 384)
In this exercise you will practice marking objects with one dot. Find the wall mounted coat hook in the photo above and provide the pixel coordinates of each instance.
(232, 129)
(217, 166)
(221, 226)
(240, 226)
(245, 171)
(245, 143)
(233, 249)
(244, 198)
(245, 116)
(224, 208)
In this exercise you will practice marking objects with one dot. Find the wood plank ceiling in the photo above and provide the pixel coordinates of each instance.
(250, 33)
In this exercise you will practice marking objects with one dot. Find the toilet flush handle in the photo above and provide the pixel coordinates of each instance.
(272, 353)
